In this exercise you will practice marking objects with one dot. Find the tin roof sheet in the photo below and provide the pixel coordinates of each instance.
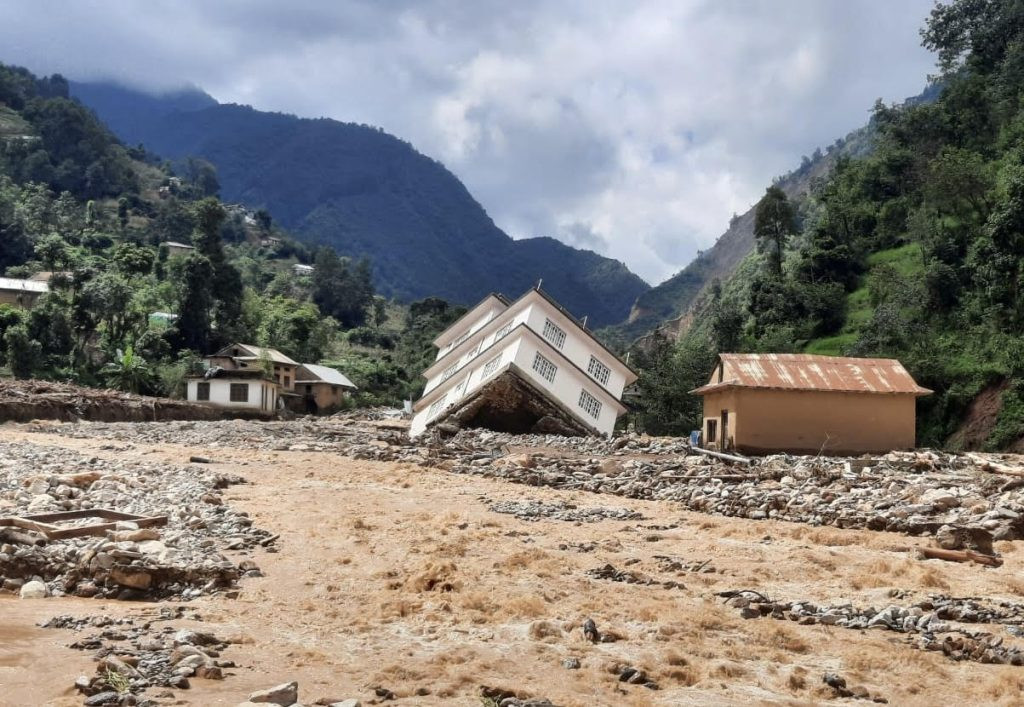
(810, 372)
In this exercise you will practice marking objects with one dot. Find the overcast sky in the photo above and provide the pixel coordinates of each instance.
(632, 128)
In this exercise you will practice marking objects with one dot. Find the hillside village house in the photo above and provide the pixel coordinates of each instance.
(248, 357)
(241, 389)
(21, 293)
(245, 376)
(174, 248)
(300, 269)
(522, 366)
(763, 403)
(322, 388)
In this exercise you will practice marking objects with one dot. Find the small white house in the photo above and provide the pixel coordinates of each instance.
(175, 248)
(250, 390)
(545, 349)
(300, 269)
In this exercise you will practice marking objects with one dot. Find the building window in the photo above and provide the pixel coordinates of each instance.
(590, 404)
(436, 407)
(544, 367)
(309, 388)
(599, 371)
(554, 333)
(712, 430)
(239, 392)
(449, 372)
(462, 337)
(503, 332)
(287, 381)
(491, 366)
(202, 391)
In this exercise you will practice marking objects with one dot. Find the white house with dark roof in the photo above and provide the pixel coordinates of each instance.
(520, 366)
(247, 376)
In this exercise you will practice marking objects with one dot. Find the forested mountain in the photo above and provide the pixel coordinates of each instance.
(94, 221)
(366, 193)
(914, 250)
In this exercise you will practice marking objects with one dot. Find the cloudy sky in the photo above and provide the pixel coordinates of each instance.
(633, 128)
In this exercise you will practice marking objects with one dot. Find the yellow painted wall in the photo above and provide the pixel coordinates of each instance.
(763, 420)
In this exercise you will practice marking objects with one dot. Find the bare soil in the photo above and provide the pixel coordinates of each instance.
(401, 577)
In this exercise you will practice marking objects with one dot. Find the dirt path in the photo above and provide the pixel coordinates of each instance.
(400, 577)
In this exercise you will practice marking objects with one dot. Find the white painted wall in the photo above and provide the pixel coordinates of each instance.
(479, 344)
(567, 386)
(220, 394)
(467, 380)
(471, 355)
(485, 313)
(578, 348)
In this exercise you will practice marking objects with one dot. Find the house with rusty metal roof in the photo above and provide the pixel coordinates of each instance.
(800, 403)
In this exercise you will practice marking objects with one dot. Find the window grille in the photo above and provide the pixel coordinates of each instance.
(202, 391)
(503, 332)
(554, 333)
(491, 366)
(449, 372)
(437, 406)
(239, 392)
(599, 371)
(590, 404)
(544, 367)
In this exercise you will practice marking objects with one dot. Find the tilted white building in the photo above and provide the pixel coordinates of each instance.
(522, 366)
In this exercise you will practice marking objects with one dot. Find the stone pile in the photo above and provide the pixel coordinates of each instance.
(938, 622)
(135, 655)
(915, 493)
(287, 695)
(537, 510)
(181, 559)
(912, 493)
(610, 572)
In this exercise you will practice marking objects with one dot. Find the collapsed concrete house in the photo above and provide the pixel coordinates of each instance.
(522, 366)
(762, 403)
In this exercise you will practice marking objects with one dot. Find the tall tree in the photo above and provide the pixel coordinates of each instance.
(774, 223)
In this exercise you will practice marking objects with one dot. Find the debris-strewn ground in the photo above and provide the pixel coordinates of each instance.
(25, 400)
(491, 569)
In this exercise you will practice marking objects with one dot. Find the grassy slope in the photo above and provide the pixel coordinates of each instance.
(906, 260)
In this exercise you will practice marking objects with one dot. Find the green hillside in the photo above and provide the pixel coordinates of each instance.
(914, 250)
(366, 193)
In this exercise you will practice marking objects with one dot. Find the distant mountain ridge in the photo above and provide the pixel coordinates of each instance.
(366, 193)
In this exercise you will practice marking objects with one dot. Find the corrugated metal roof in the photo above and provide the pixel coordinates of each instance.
(256, 352)
(809, 372)
(324, 374)
(10, 283)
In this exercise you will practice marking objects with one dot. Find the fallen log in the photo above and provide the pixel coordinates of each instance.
(723, 456)
(934, 553)
(994, 466)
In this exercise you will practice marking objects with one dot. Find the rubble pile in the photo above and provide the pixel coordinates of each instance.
(133, 656)
(610, 572)
(537, 510)
(916, 493)
(938, 622)
(180, 559)
(24, 400)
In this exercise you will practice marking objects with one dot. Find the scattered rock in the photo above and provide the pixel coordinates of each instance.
(33, 590)
(285, 695)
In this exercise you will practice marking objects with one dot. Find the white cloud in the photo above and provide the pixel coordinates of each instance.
(636, 129)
